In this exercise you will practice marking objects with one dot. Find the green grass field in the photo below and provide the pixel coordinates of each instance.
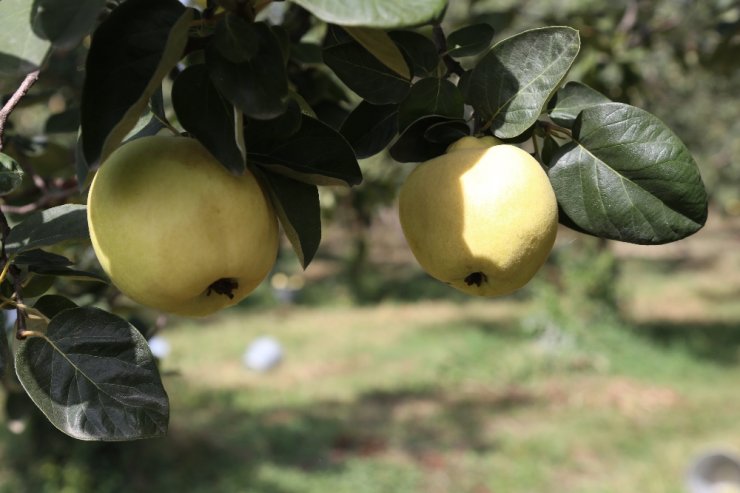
(524, 394)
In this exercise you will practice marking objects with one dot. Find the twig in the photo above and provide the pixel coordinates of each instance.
(440, 40)
(14, 100)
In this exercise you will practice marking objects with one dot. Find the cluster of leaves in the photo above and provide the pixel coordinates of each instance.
(272, 96)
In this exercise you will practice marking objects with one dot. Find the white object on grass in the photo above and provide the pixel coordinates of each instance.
(715, 471)
(263, 354)
(160, 347)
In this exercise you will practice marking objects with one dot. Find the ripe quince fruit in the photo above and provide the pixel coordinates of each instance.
(174, 230)
(482, 217)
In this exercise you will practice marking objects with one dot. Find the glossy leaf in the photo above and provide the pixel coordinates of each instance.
(470, 40)
(431, 96)
(48, 227)
(297, 207)
(38, 257)
(370, 128)
(419, 51)
(131, 53)
(627, 177)
(447, 132)
(364, 74)
(375, 13)
(512, 83)
(93, 376)
(21, 50)
(203, 112)
(257, 86)
(412, 146)
(382, 47)
(11, 174)
(573, 98)
(315, 154)
(63, 22)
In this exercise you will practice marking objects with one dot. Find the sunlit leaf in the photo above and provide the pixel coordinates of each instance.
(21, 50)
(374, 13)
(573, 98)
(48, 227)
(511, 85)
(627, 177)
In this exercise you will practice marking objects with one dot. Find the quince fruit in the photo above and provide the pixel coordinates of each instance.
(482, 217)
(174, 230)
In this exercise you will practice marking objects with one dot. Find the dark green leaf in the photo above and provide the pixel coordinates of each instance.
(203, 112)
(152, 121)
(38, 285)
(512, 84)
(447, 132)
(573, 98)
(315, 154)
(430, 96)
(365, 74)
(79, 275)
(236, 39)
(11, 174)
(94, 377)
(420, 52)
(469, 40)
(131, 53)
(412, 146)
(549, 148)
(52, 304)
(48, 227)
(627, 177)
(258, 86)
(21, 51)
(370, 128)
(297, 207)
(382, 47)
(306, 53)
(276, 129)
(65, 23)
(41, 258)
(375, 13)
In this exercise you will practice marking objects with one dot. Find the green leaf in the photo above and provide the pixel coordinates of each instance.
(48, 227)
(364, 74)
(470, 40)
(513, 82)
(65, 23)
(257, 86)
(431, 96)
(370, 128)
(627, 177)
(76, 274)
(37, 286)
(419, 51)
(151, 121)
(131, 53)
(11, 174)
(203, 112)
(275, 129)
(298, 209)
(236, 39)
(67, 121)
(573, 98)
(41, 258)
(21, 51)
(447, 132)
(375, 13)
(315, 154)
(52, 304)
(382, 47)
(412, 146)
(93, 376)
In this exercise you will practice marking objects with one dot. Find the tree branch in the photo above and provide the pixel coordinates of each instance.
(14, 100)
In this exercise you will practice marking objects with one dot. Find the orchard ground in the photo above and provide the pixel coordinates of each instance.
(422, 390)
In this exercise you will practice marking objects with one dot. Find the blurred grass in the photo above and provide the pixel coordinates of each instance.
(552, 390)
